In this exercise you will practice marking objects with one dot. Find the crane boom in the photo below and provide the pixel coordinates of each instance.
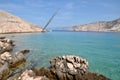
(50, 20)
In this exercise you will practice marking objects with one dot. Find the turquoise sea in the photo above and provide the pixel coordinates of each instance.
(101, 49)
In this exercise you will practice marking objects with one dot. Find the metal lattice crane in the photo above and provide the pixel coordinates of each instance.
(43, 30)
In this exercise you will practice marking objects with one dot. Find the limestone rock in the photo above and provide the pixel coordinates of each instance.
(55, 72)
(6, 45)
(30, 75)
(101, 26)
(13, 24)
(8, 63)
(68, 66)
(5, 57)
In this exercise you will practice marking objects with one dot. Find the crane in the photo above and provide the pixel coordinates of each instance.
(43, 30)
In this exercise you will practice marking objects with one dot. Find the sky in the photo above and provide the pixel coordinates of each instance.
(71, 13)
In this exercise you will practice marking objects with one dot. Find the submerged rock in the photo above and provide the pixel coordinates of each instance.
(25, 51)
(2, 37)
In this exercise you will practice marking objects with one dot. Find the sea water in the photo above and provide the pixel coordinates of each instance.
(101, 49)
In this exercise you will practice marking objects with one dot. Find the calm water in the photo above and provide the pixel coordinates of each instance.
(102, 50)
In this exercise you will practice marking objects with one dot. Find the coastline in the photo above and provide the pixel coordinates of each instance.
(21, 32)
(87, 75)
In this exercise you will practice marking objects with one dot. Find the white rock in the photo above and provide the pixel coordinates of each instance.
(6, 56)
(76, 65)
(70, 66)
(30, 75)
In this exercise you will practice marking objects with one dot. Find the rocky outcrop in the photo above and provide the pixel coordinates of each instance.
(102, 26)
(62, 68)
(5, 44)
(30, 75)
(9, 62)
(68, 66)
(13, 24)
(72, 68)
(33, 74)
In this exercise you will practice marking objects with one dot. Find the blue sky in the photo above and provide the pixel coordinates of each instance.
(72, 12)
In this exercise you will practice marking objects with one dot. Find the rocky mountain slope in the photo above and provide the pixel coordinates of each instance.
(102, 26)
(13, 24)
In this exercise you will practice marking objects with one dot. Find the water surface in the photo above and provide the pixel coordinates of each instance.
(101, 49)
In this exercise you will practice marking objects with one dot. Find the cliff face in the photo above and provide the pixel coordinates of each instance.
(105, 26)
(13, 24)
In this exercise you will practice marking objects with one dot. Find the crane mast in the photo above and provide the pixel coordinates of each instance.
(43, 30)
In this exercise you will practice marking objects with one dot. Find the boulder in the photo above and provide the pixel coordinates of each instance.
(5, 57)
(6, 45)
(67, 67)
(30, 75)
(8, 63)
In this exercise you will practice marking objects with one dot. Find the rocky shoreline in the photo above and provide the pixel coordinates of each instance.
(68, 67)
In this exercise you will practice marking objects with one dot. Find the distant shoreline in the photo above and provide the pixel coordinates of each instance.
(85, 31)
(60, 31)
(20, 32)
